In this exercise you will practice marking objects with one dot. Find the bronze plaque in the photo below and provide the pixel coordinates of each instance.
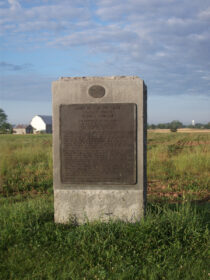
(96, 91)
(98, 143)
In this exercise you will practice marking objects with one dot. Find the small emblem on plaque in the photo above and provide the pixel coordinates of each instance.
(96, 91)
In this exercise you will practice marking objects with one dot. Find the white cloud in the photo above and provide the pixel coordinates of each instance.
(205, 14)
(161, 54)
(97, 37)
(178, 21)
(165, 41)
(14, 5)
(42, 16)
(206, 77)
(199, 37)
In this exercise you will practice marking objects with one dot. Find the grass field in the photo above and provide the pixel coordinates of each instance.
(172, 242)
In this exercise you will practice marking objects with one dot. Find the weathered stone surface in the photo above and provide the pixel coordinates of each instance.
(89, 205)
(99, 148)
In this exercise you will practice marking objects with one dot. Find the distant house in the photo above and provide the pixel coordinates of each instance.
(22, 129)
(42, 124)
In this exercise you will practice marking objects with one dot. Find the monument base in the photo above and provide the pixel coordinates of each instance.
(83, 206)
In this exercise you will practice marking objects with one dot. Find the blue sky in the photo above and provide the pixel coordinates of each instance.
(165, 42)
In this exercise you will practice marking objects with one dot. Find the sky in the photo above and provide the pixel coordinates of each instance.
(164, 42)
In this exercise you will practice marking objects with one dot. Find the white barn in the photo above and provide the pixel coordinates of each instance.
(42, 124)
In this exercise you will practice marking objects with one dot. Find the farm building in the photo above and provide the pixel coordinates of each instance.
(23, 129)
(42, 124)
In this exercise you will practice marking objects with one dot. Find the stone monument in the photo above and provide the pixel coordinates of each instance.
(99, 148)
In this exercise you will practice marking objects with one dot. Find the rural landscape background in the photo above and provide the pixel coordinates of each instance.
(171, 242)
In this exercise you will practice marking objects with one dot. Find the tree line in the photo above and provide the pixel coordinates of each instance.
(174, 125)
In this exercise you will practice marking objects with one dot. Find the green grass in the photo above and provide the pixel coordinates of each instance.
(25, 164)
(179, 164)
(171, 242)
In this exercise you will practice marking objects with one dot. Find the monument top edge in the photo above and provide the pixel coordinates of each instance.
(89, 78)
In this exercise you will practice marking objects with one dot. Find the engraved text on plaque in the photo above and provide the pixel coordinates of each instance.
(98, 143)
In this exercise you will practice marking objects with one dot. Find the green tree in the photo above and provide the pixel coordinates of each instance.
(178, 124)
(5, 127)
(199, 125)
(152, 126)
(207, 125)
(3, 117)
(174, 125)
